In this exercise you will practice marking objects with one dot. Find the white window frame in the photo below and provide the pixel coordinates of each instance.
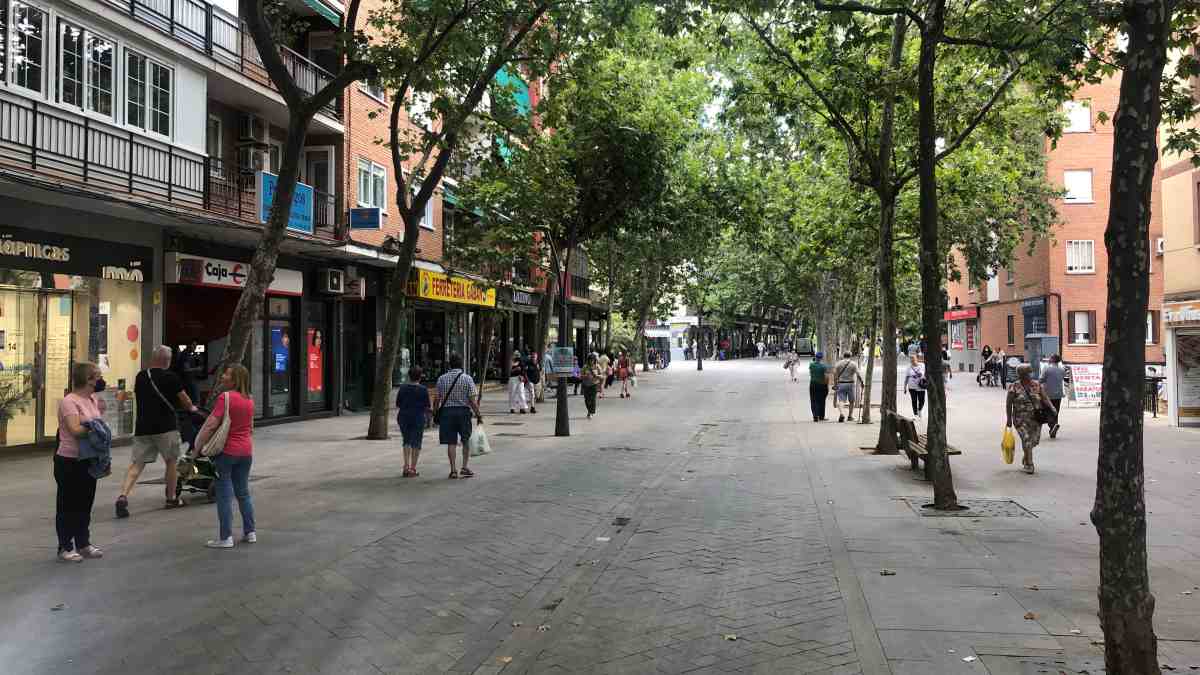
(86, 76)
(214, 168)
(375, 92)
(1074, 110)
(9, 36)
(373, 170)
(1079, 252)
(1068, 198)
(427, 219)
(1151, 327)
(148, 91)
(273, 146)
(1091, 330)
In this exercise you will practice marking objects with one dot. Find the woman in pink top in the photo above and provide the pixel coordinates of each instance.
(233, 464)
(76, 486)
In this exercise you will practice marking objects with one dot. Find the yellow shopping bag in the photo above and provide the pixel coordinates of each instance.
(1008, 445)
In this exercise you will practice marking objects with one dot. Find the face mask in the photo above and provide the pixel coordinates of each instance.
(100, 385)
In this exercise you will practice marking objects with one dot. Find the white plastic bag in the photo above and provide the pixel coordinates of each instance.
(479, 442)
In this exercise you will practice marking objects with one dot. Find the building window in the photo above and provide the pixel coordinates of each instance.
(1012, 331)
(213, 145)
(274, 156)
(1010, 277)
(1081, 256)
(372, 185)
(374, 89)
(1079, 116)
(147, 94)
(28, 44)
(1152, 327)
(1078, 186)
(86, 67)
(1083, 327)
(427, 218)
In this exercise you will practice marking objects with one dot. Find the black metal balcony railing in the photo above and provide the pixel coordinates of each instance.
(62, 146)
(222, 35)
(580, 287)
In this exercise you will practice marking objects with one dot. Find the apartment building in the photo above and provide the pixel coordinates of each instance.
(1053, 299)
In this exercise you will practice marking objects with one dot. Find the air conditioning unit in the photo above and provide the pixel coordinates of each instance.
(332, 281)
(1160, 246)
(252, 129)
(250, 158)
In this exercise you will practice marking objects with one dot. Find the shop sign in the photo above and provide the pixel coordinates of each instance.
(216, 273)
(960, 314)
(48, 252)
(366, 218)
(445, 288)
(1181, 314)
(1032, 304)
(524, 298)
(301, 217)
(1086, 381)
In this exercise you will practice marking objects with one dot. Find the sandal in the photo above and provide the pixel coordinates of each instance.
(407, 473)
(453, 475)
(176, 503)
(466, 473)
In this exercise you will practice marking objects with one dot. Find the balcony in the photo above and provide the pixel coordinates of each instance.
(223, 36)
(63, 147)
(580, 287)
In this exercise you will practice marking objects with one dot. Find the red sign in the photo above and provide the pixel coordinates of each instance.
(970, 335)
(960, 314)
(316, 361)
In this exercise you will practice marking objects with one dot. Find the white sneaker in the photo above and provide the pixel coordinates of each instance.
(69, 556)
(91, 552)
(220, 543)
(250, 538)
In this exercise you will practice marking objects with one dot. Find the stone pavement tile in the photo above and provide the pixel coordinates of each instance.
(927, 578)
(983, 609)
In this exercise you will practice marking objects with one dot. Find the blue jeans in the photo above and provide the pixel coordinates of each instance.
(233, 479)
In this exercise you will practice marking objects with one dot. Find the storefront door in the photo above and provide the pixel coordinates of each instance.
(35, 363)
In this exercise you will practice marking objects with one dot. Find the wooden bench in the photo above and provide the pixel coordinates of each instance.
(914, 443)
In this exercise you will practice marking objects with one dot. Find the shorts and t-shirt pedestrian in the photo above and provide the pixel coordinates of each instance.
(156, 430)
(412, 408)
(845, 375)
(456, 393)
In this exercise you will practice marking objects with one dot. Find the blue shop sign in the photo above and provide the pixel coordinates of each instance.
(301, 218)
(366, 218)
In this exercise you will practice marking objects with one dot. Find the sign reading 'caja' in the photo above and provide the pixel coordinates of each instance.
(52, 253)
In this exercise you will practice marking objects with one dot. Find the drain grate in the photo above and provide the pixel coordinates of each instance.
(620, 448)
(976, 508)
(508, 433)
(505, 424)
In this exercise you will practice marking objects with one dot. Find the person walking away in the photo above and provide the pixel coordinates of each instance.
(793, 365)
(157, 393)
(412, 410)
(915, 384)
(575, 380)
(76, 486)
(913, 349)
(1052, 379)
(818, 386)
(455, 402)
(234, 461)
(986, 354)
(846, 374)
(1026, 399)
(604, 363)
(591, 377)
(533, 379)
(624, 371)
(946, 363)
(516, 386)
(610, 372)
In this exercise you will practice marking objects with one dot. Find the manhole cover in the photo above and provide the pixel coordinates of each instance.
(622, 521)
(976, 508)
(620, 448)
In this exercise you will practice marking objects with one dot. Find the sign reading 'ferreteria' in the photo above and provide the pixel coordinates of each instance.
(444, 288)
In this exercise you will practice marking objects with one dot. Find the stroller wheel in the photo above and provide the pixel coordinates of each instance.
(212, 493)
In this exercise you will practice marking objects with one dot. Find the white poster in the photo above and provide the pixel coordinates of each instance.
(1086, 379)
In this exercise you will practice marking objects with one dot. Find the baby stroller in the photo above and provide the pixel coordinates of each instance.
(197, 474)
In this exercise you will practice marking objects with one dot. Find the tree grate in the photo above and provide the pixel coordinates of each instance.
(976, 508)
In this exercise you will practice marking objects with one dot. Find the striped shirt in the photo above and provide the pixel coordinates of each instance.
(464, 389)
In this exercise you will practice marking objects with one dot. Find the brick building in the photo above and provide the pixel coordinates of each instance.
(1053, 299)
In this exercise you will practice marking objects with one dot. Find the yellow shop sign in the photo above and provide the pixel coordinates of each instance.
(445, 288)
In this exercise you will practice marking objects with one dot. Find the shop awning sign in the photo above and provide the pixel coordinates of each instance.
(366, 218)
(181, 268)
(960, 314)
(53, 253)
(445, 288)
(301, 217)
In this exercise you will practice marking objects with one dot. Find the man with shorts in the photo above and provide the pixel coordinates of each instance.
(455, 402)
(156, 393)
(845, 375)
(1052, 378)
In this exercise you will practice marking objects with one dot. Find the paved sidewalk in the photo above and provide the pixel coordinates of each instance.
(706, 525)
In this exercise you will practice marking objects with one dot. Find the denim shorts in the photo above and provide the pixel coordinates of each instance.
(845, 391)
(455, 425)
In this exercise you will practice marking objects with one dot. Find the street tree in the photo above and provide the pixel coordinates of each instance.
(271, 23)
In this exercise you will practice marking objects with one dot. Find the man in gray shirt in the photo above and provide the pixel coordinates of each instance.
(1053, 377)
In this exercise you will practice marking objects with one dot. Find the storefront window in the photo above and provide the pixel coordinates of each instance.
(404, 357)
(280, 401)
(107, 321)
(316, 342)
(430, 341)
(456, 324)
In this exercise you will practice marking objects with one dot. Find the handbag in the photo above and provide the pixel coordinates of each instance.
(437, 414)
(216, 442)
(1044, 413)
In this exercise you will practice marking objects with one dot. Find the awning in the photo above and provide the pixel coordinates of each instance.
(326, 11)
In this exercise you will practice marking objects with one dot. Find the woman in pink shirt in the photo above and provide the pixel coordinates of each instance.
(76, 486)
(233, 464)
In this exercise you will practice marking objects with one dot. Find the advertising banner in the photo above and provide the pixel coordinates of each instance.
(444, 288)
(301, 217)
(1086, 379)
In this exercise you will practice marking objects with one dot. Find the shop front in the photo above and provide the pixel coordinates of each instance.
(444, 312)
(516, 330)
(962, 335)
(1182, 323)
(291, 362)
(65, 300)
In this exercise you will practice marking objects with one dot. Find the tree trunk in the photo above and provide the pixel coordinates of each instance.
(562, 418)
(865, 418)
(1119, 513)
(932, 304)
(266, 253)
(397, 301)
(486, 331)
(545, 311)
(700, 346)
(886, 445)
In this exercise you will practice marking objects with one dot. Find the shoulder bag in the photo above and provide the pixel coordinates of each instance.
(1043, 413)
(437, 414)
(216, 442)
(171, 408)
